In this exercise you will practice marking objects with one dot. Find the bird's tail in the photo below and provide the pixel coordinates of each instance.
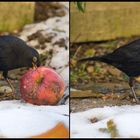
(95, 58)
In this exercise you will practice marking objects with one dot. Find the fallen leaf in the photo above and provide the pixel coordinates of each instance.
(112, 128)
(90, 69)
(114, 71)
(93, 120)
(59, 131)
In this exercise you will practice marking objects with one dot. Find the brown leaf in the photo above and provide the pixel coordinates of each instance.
(93, 120)
(114, 71)
(90, 69)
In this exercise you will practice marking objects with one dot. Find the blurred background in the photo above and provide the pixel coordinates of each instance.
(14, 15)
(43, 26)
(99, 29)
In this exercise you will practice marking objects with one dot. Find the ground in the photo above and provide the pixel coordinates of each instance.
(99, 84)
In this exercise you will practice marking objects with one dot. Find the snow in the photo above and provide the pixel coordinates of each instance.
(126, 119)
(60, 58)
(65, 74)
(19, 119)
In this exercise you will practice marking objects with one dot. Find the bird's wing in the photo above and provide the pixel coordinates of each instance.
(7, 57)
(129, 53)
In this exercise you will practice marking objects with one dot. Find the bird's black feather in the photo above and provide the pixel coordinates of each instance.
(125, 58)
(15, 53)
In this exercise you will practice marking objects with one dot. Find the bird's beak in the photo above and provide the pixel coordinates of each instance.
(34, 65)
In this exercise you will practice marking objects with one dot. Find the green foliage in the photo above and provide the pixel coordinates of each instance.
(81, 6)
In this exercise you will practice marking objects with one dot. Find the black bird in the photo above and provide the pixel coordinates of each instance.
(15, 53)
(126, 59)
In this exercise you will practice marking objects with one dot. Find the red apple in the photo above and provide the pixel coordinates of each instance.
(41, 86)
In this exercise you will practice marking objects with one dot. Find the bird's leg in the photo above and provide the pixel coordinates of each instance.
(131, 83)
(5, 74)
(10, 84)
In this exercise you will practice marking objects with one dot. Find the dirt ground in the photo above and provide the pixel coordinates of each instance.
(96, 95)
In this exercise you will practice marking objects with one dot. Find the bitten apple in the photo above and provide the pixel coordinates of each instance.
(41, 86)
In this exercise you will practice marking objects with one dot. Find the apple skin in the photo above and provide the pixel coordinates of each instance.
(41, 86)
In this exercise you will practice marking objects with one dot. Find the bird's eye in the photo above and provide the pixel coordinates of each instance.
(34, 59)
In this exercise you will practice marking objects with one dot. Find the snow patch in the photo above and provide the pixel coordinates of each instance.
(126, 118)
(20, 119)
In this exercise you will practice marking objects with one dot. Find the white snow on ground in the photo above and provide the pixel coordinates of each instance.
(126, 119)
(18, 119)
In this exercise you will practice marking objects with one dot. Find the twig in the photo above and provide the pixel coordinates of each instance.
(77, 51)
(74, 56)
